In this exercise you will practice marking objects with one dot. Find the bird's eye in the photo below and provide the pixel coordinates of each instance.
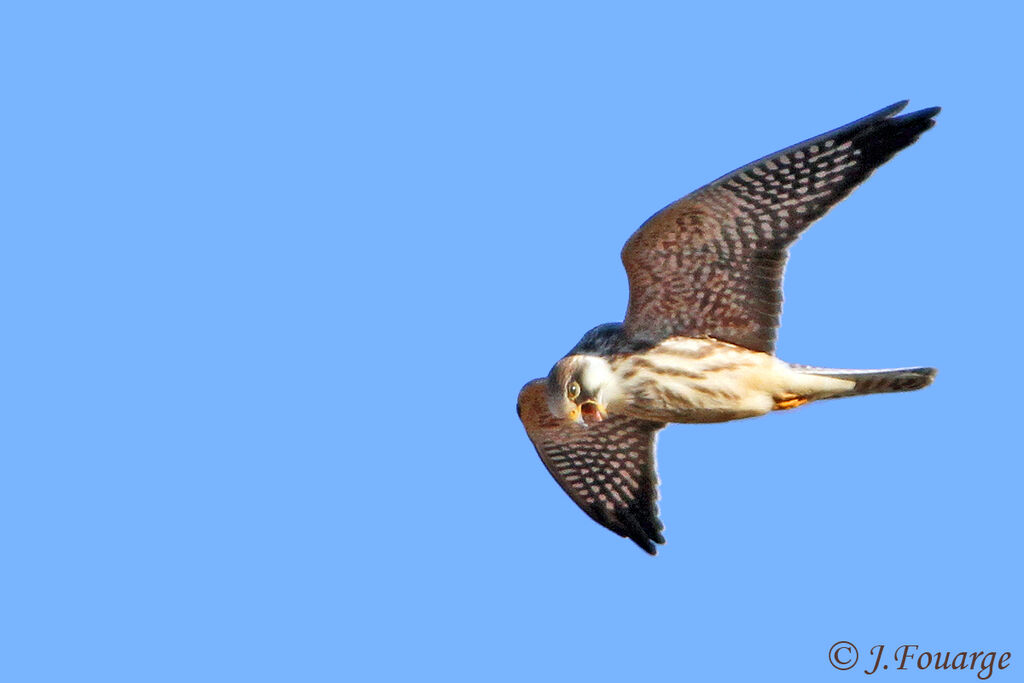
(573, 391)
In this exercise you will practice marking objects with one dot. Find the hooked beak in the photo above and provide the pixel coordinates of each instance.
(589, 412)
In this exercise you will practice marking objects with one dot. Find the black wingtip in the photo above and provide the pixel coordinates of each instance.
(909, 127)
(646, 545)
(880, 115)
(921, 115)
(646, 541)
(637, 528)
(889, 114)
(894, 108)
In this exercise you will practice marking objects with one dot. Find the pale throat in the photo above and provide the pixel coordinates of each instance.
(597, 373)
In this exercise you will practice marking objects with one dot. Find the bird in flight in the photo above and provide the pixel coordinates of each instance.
(697, 343)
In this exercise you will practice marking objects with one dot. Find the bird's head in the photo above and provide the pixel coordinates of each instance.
(577, 388)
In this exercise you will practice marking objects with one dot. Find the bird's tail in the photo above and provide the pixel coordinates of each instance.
(877, 381)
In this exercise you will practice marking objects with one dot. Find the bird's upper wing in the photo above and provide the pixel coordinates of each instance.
(711, 264)
(607, 468)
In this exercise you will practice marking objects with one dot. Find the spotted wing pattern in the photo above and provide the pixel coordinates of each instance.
(607, 468)
(711, 264)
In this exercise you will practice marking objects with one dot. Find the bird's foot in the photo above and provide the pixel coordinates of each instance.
(789, 401)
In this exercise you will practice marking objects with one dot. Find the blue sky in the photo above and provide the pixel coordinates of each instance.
(273, 275)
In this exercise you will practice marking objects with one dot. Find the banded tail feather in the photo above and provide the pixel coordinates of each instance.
(877, 381)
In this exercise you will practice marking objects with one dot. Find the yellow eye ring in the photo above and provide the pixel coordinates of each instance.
(573, 391)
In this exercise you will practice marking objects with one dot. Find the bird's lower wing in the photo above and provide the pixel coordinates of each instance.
(607, 468)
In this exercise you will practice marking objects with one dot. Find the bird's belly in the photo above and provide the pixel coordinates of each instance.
(697, 380)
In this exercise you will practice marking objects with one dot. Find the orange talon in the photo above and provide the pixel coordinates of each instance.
(790, 402)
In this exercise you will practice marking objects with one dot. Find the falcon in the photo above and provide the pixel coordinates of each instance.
(697, 343)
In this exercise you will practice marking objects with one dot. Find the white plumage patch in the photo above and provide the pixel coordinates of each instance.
(596, 373)
(705, 380)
